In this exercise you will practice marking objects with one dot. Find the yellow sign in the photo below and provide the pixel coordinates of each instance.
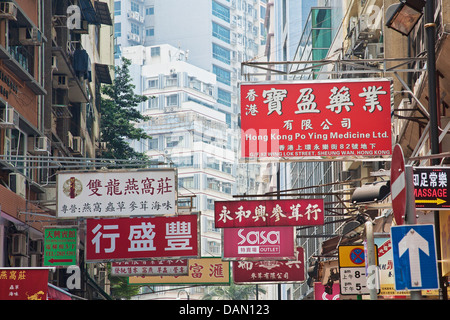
(201, 271)
(353, 256)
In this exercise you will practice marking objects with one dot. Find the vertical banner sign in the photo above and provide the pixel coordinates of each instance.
(262, 213)
(286, 271)
(431, 188)
(266, 243)
(116, 193)
(339, 118)
(60, 246)
(23, 284)
(139, 238)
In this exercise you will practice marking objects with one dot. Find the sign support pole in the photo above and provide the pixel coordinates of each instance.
(371, 266)
(410, 217)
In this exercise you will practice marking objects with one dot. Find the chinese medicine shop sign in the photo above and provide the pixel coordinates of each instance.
(348, 118)
(431, 188)
(60, 246)
(116, 193)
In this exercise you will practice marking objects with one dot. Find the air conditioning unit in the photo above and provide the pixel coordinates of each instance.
(36, 260)
(69, 140)
(374, 51)
(38, 145)
(19, 261)
(30, 36)
(17, 184)
(54, 63)
(10, 118)
(78, 145)
(8, 10)
(35, 246)
(19, 244)
(61, 82)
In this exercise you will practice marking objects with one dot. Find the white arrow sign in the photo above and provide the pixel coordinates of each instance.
(412, 242)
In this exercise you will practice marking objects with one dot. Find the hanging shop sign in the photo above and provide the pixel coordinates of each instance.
(262, 213)
(23, 283)
(116, 193)
(60, 246)
(174, 267)
(431, 188)
(138, 238)
(266, 243)
(338, 118)
(202, 271)
(271, 271)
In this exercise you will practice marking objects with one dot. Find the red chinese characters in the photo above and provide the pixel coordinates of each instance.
(137, 238)
(245, 271)
(313, 119)
(260, 213)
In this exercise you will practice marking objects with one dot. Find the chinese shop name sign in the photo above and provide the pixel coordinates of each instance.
(116, 193)
(350, 119)
(262, 213)
(139, 238)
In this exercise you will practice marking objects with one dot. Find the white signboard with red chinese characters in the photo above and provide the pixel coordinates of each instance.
(139, 238)
(348, 118)
(116, 193)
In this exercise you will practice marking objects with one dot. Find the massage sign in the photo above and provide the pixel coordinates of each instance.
(431, 188)
(350, 119)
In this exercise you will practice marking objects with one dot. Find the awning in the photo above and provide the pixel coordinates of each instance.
(88, 11)
(55, 293)
(103, 13)
(102, 73)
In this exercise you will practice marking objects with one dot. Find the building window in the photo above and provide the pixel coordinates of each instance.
(135, 7)
(134, 29)
(221, 54)
(172, 100)
(223, 75)
(224, 97)
(155, 51)
(117, 8)
(220, 32)
(150, 11)
(152, 103)
(220, 11)
(150, 32)
(117, 30)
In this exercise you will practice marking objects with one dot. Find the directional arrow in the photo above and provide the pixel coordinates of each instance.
(59, 260)
(412, 242)
(437, 201)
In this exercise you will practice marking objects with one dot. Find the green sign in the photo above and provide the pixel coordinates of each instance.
(60, 246)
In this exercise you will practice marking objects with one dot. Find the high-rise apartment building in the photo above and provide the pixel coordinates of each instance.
(186, 132)
(216, 36)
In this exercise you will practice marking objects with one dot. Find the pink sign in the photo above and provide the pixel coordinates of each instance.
(138, 238)
(265, 243)
(321, 294)
(245, 271)
(350, 118)
(262, 213)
